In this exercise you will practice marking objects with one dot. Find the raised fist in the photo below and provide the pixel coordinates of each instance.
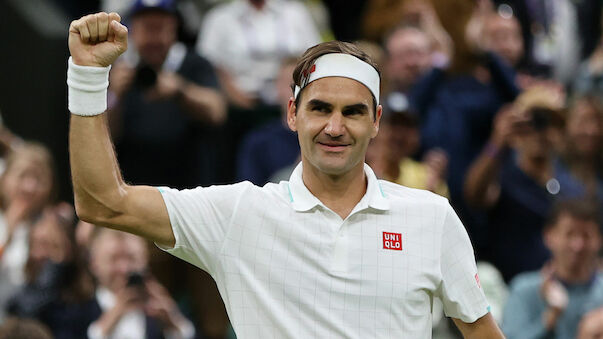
(97, 39)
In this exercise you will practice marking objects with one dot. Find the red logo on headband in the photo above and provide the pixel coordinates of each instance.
(312, 69)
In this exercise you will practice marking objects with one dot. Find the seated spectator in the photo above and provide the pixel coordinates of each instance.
(273, 146)
(59, 290)
(247, 41)
(131, 303)
(513, 179)
(163, 103)
(579, 167)
(558, 34)
(550, 303)
(26, 186)
(408, 57)
(591, 325)
(390, 155)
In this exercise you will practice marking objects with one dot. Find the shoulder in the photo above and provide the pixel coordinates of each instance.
(406, 195)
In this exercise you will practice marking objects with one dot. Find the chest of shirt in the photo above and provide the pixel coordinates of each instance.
(368, 255)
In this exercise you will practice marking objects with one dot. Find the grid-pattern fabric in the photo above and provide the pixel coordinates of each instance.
(289, 267)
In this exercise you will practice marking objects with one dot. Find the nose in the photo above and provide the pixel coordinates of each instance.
(29, 184)
(577, 243)
(335, 126)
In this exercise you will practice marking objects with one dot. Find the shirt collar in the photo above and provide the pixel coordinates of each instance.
(303, 200)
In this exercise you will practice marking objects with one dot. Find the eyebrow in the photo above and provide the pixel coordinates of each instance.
(320, 103)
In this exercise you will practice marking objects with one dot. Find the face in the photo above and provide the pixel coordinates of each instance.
(113, 257)
(503, 36)
(48, 241)
(408, 56)
(28, 180)
(585, 129)
(153, 33)
(335, 122)
(573, 242)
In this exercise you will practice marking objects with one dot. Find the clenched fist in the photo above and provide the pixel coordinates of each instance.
(97, 39)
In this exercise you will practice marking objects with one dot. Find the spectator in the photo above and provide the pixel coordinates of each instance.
(247, 41)
(580, 165)
(163, 101)
(390, 155)
(26, 186)
(408, 58)
(273, 146)
(456, 111)
(590, 73)
(558, 34)
(513, 179)
(549, 303)
(59, 290)
(133, 305)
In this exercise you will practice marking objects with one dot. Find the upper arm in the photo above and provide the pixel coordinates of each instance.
(141, 211)
(484, 327)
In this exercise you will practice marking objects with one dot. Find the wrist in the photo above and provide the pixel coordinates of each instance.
(87, 88)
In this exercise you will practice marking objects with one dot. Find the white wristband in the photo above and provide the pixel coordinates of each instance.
(87, 89)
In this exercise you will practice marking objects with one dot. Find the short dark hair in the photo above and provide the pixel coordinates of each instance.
(306, 61)
(586, 210)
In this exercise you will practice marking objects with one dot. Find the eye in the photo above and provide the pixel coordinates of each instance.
(322, 109)
(353, 111)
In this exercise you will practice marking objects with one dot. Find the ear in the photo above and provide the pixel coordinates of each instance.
(378, 114)
(292, 114)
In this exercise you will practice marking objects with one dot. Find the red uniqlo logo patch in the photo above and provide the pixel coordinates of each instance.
(477, 280)
(392, 241)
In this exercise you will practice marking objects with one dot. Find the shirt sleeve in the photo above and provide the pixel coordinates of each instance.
(460, 289)
(200, 219)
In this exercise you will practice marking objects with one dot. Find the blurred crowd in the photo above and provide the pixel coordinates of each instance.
(495, 104)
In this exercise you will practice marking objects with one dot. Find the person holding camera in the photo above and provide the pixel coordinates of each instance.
(132, 304)
(163, 103)
(514, 180)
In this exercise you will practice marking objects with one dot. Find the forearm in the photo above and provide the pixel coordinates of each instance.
(484, 327)
(204, 103)
(482, 176)
(97, 182)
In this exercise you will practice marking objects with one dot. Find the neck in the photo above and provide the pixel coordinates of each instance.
(341, 192)
(576, 275)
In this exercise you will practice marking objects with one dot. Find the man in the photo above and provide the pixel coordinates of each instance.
(550, 303)
(131, 304)
(332, 253)
(164, 103)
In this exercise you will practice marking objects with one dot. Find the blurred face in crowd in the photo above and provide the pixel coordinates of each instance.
(335, 121)
(573, 242)
(153, 33)
(409, 53)
(585, 129)
(28, 179)
(114, 255)
(535, 137)
(48, 240)
(503, 36)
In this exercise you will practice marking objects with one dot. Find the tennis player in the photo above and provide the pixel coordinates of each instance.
(331, 253)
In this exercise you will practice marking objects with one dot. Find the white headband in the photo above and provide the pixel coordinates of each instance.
(342, 65)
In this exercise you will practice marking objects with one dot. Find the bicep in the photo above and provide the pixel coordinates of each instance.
(144, 213)
(484, 327)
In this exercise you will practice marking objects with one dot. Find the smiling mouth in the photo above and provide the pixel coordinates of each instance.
(333, 147)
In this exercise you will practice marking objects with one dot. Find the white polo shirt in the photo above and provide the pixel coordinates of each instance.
(289, 267)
